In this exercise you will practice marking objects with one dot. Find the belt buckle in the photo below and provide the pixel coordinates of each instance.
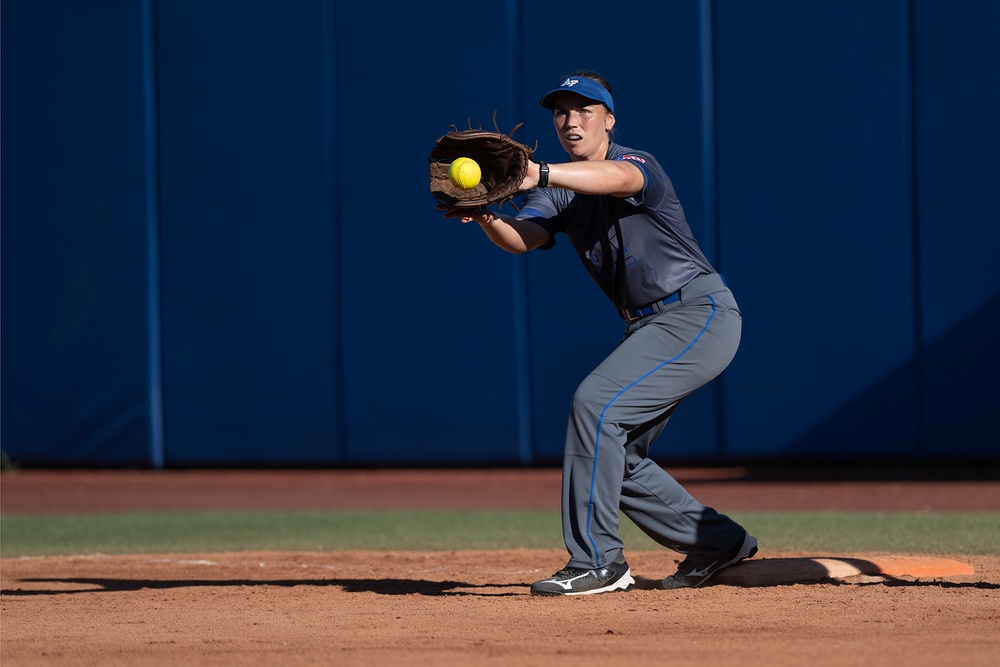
(640, 313)
(655, 307)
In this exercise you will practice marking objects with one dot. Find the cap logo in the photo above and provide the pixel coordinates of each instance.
(587, 87)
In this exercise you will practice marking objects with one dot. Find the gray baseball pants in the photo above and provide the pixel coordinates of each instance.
(620, 409)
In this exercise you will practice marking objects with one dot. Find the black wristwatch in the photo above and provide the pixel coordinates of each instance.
(543, 174)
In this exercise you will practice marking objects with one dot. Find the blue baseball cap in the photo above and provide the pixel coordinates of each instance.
(580, 85)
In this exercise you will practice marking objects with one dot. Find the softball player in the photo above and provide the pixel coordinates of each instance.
(619, 210)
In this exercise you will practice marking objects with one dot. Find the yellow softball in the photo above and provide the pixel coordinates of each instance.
(464, 173)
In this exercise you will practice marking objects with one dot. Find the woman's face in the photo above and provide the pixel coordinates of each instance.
(582, 125)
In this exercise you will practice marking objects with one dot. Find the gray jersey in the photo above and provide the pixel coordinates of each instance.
(657, 255)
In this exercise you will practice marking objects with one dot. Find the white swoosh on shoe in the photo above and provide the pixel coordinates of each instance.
(703, 571)
(567, 584)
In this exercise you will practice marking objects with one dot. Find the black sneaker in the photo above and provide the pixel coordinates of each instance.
(692, 575)
(576, 581)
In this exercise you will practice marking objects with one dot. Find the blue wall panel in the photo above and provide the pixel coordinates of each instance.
(428, 305)
(813, 195)
(74, 253)
(247, 246)
(958, 141)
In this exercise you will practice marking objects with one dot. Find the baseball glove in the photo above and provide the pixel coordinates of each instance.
(502, 161)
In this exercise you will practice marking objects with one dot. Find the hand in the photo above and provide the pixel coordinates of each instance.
(467, 216)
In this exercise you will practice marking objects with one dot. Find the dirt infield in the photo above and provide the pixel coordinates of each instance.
(461, 608)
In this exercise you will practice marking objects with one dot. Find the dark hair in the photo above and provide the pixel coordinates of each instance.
(595, 77)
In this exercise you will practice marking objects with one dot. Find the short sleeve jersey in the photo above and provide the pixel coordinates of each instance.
(639, 250)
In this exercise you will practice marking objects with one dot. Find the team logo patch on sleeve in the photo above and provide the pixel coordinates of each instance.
(631, 157)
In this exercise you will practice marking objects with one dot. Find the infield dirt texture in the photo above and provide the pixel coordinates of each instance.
(467, 607)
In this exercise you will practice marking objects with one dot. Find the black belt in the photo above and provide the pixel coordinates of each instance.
(633, 314)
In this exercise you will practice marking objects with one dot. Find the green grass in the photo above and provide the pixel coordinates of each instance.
(189, 532)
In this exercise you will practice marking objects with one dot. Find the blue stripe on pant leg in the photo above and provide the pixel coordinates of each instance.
(600, 422)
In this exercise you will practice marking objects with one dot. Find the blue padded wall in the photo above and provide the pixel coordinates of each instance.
(75, 264)
(219, 248)
(957, 136)
(813, 190)
(248, 252)
(428, 310)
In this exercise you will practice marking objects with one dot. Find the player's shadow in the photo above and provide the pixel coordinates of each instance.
(770, 572)
(75, 585)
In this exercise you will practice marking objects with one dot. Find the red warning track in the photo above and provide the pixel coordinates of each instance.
(727, 489)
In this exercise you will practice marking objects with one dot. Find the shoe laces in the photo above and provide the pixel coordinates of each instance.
(568, 572)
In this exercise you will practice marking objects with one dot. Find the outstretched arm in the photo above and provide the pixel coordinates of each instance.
(507, 232)
(618, 178)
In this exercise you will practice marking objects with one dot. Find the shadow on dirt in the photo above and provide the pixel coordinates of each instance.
(75, 585)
